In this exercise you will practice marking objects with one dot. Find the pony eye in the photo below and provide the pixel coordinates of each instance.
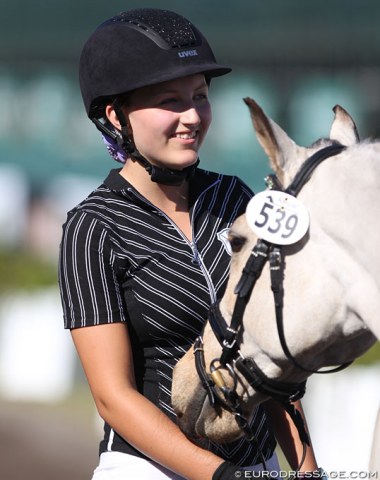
(236, 243)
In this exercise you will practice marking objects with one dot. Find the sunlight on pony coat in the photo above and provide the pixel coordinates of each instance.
(332, 288)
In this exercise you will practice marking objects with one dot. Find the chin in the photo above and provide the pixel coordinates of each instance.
(191, 160)
(177, 160)
(180, 165)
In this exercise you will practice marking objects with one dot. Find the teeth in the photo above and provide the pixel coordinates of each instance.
(186, 136)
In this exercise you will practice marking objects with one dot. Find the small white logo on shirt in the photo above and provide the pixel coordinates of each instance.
(188, 53)
(223, 237)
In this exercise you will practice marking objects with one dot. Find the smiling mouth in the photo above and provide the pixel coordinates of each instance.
(186, 136)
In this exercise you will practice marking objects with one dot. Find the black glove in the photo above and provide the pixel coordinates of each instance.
(227, 471)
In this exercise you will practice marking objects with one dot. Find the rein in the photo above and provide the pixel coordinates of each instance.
(229, 336)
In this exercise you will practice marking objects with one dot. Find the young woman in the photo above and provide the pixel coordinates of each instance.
(144, 256)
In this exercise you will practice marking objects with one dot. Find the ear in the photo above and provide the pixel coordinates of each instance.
(112, 117)
(343, 128)
(275, 142)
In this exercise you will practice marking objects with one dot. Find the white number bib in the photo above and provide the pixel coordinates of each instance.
(277, 217)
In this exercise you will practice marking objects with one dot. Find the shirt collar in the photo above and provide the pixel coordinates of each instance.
(116, 182)
(200, 182)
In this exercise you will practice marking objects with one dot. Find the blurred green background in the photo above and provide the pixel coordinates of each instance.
(297, 58)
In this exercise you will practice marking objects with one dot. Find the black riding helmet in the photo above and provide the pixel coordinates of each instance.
(135, 49)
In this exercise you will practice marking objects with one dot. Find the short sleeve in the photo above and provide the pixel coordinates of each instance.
(89, 279)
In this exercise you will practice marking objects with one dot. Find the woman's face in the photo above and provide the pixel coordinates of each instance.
(169, 121)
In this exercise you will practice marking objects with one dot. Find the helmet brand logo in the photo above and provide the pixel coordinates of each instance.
(188, 53)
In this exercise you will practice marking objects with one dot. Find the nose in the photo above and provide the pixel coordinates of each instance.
(190, 116)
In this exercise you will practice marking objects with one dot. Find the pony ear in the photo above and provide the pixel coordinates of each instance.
(343, 128)
(275, 142)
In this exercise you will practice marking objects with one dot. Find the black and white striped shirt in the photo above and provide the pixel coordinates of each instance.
(123, 260)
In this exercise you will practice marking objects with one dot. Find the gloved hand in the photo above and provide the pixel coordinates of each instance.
(228, 471)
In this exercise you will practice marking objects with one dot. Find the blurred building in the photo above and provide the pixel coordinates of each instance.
(296, 58)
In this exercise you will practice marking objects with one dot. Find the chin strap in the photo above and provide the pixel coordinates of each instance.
(165, 176)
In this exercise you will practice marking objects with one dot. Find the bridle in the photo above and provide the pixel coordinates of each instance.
(231, 361)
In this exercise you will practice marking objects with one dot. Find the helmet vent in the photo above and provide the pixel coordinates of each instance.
(167, 29)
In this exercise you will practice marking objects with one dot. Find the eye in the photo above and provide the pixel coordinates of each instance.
(236, 242)
(167, 101)
(201, 96)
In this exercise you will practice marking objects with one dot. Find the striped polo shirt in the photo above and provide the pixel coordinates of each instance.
(123, 260)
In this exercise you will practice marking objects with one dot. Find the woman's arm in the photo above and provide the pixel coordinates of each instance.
(287, 436)
(106, 356)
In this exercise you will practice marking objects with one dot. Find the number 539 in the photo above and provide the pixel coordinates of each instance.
(276, 220)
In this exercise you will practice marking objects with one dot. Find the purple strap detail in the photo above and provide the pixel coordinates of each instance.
(116, 152)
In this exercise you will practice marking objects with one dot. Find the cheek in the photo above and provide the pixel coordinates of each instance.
(149, 124)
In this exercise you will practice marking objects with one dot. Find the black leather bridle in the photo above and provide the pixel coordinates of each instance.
(231, 361)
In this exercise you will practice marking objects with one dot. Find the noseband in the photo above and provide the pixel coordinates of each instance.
(229, 336)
